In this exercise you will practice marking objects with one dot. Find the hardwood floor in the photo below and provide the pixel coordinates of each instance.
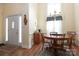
(27, 52)
(20, 51)
(30, 52)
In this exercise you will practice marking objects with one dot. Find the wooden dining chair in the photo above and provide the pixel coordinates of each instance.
(59, 43)
(51, 33)
(46, 43)
(72, 34)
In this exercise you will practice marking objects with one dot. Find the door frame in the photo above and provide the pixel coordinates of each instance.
(4, 28)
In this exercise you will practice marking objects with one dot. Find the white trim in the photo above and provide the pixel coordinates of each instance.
(6, 29)
(20, 29)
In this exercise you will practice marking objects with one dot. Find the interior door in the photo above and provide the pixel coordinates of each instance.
(13, 30)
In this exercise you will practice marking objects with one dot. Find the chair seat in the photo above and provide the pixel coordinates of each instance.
(57, 46)
(46, 40)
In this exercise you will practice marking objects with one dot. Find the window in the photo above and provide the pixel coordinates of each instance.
(54, 25)
(49, 27)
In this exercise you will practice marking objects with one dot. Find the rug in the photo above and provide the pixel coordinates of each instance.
(51, 52)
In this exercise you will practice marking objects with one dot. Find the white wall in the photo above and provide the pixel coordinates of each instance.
(77, 21)
(68, 16)
(77, 16)
(1, 22)
(41, 16)
(15, 8)
(32, 22)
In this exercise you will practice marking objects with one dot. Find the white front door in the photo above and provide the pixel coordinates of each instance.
(14, 30)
